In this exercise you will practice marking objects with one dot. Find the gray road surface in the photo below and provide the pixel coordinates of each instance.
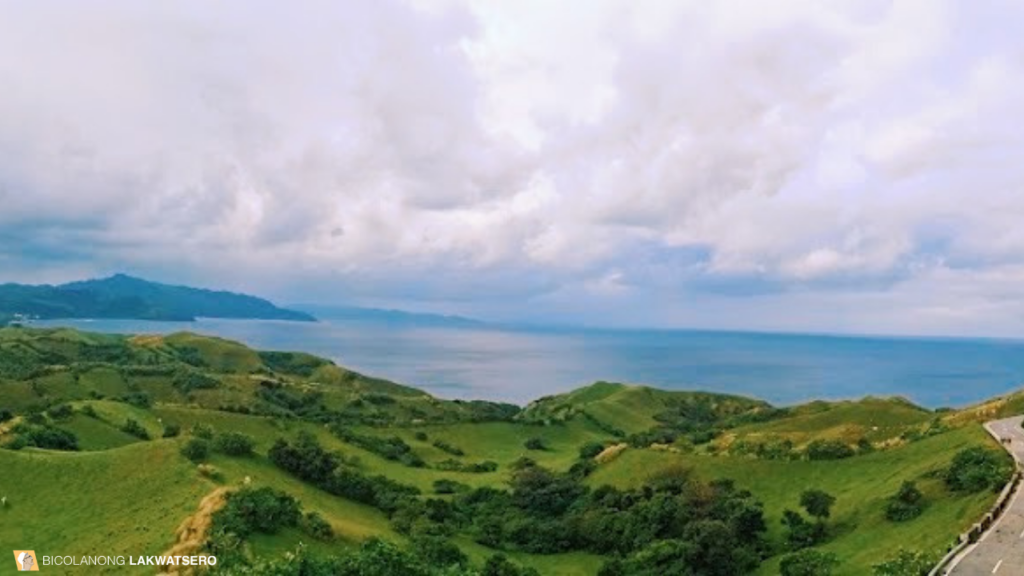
(1001, 550)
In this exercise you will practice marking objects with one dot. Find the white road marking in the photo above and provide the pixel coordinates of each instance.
(998, 564)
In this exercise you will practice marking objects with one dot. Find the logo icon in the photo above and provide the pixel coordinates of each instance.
(26, 560)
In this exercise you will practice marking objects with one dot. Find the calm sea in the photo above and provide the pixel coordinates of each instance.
(520, 365)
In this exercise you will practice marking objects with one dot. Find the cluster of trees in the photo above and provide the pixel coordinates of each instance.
(332, 472)
(976, 469)
(449, 448)
(132, 426)
(802, 533)
(453, 465)
(307, 405)
(712, 527)
(204, 441)
(187, 380)
(391, 448)
(42, 436)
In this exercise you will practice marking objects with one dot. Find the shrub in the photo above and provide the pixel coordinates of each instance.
(446, 486)
(315, 525)
(89, 411)
(234, 444)
(421, 436)
(905, 563)
(976, 469)
(535, 444)
(50, 438)
(196, 449)
(449, 448)
(6, 414)
(828, 450)
(263, 510)
(204, 431)
(171, 430)
(591, 450)
(210, 471)
(906, 504)
(131, 426)
(138, 399)
(61, 412)
(818, 503)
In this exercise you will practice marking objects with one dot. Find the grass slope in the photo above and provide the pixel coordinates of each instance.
(862, 535)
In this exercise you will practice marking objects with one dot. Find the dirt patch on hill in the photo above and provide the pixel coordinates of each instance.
(611, 453)
(147, 340)
(191, 533)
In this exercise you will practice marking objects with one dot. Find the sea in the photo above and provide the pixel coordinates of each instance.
(520, 364)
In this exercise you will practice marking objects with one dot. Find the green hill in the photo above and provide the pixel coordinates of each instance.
(94, 432)
(122, 296)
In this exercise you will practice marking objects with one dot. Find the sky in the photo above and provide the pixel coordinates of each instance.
(843, 166)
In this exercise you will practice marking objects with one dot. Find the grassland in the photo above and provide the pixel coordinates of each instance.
(124, 495)
(861, 486)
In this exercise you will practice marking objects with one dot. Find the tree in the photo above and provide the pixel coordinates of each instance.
(234, 444)
(535, 444)
(196, 449)
(906, 504)
(808, 562)
(818, 503)
(591, 450)
(828, 450)
(802, 534)
(976, 469)
(905, 563)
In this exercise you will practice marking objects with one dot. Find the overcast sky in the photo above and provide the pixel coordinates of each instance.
(800, 165)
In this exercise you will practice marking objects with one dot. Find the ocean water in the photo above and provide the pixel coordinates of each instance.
(519, 365)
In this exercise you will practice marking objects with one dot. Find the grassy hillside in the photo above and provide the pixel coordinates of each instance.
(861, 486)
(127, 488)
(631, 409)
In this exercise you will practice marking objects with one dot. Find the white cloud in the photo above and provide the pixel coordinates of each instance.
(648, 161)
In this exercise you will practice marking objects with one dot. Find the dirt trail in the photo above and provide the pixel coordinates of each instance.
(191, 533)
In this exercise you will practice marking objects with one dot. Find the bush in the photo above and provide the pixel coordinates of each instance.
(828, 450)
(263, 510)
(171, 430)
(421, 436)
(131, 426)
(89, 411)
(5, 415)
(196, 449)
(535, 444)
(976, 469)
(204, 431)
(315, 525)
(905, 563)
(138, 399)
(446, 486)
(234, 444)
(906, 504)
(449, 448)
(61, 412)
(49, 438)
(591, 450)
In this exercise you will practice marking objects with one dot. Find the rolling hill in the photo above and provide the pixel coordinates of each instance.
(101, 438)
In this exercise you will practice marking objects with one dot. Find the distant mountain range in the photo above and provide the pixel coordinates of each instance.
(357, 314)
(125, 297)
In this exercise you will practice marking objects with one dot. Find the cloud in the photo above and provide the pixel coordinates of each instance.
(685, 163)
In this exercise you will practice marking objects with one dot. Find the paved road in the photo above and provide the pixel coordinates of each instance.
(1001, 550)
